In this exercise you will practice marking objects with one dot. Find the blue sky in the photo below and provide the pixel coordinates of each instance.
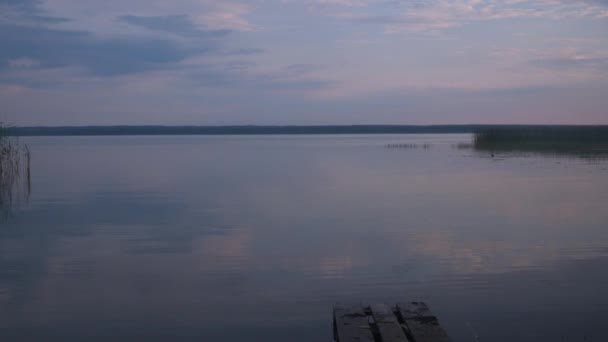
(203, 62)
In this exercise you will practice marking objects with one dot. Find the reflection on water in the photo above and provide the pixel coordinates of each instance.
(229, 238)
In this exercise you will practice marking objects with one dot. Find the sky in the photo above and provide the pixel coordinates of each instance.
(295, 62)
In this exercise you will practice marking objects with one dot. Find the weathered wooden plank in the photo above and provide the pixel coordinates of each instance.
(351, 324)
(387, 323)
(422, 325)
(414, 310)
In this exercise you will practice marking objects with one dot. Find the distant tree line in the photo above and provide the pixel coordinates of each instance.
(255, 130)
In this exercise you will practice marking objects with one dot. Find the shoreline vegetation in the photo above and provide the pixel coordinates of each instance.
(584, 141)
(15, 174)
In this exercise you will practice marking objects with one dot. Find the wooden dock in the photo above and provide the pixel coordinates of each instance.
(403, 322)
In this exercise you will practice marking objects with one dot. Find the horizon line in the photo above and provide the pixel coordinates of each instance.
(10, 127)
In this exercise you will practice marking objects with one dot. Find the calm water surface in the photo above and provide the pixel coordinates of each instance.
(254, 238)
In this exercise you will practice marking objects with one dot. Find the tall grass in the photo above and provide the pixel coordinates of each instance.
(573, 140)
(14, 169)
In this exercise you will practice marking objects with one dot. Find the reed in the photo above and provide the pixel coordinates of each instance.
(14, 168)
(408, 146)
(585, 141)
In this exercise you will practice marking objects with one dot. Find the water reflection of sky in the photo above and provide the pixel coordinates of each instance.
(225, 238)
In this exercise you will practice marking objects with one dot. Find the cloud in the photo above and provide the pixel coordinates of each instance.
(433, 15)
(232, 60)
(599, 64)
(301, 69)
(39, 57)
(175, 24)
(32, 38)
(34, 35)
(23, 62)
(599, 2)
(100, 56)
(26, 11)
(224, 15)
(21, 4)
(230, 15)
(243, 75)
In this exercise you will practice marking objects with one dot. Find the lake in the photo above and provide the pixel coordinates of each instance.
(254, 238)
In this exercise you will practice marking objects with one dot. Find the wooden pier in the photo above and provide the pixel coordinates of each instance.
(403, 322)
